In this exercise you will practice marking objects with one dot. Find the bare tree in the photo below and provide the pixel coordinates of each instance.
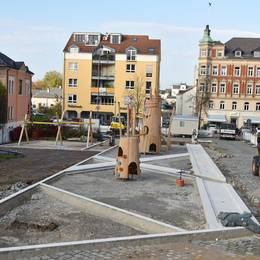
(138, 94)
(202, 101)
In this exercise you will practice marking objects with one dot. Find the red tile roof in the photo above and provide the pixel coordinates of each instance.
(142, 43)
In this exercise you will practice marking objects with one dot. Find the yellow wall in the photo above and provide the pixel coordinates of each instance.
(84, 73)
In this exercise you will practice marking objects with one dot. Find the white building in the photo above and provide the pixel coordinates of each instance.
(186, 102)
(46, 98)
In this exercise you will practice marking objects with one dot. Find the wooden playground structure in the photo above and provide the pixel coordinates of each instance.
(60, 122)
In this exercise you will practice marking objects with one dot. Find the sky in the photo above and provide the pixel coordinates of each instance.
(36, 31)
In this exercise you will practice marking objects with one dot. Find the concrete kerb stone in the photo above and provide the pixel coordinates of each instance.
(141, 240)
(163, 157)
(113, 213)
(93, 145)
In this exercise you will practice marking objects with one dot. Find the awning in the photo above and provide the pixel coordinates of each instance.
(217, 118)
(254, 119)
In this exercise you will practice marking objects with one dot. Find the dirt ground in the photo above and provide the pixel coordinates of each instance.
(35, 165)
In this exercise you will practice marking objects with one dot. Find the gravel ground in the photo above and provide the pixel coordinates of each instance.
(154, 195)
(234, 159)
(44, 219)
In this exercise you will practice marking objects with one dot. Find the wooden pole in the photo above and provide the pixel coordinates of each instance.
(119, 120)
(169, 131)
(90, 134)
(24, 129)
(58, 135)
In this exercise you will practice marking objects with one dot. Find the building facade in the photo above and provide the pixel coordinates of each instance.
(101, 69)
(230, 74)
(17, 78)
(46, 98)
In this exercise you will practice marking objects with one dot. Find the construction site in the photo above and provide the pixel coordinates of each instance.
(142, 197)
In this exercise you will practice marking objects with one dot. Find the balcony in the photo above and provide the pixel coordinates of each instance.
(102, 76)
(106, 59)
(103, 91)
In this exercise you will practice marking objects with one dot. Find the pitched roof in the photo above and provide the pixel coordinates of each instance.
(47, 93)
(5, 61)
(142, 43)
(246, 45)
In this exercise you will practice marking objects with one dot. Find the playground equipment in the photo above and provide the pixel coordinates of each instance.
(128, 151)
(60, 122)
(150, 138)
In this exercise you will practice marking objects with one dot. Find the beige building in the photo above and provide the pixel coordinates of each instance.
(100, 70)
(230, 72)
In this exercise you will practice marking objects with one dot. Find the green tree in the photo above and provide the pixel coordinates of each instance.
(3, 104)
(52, 79)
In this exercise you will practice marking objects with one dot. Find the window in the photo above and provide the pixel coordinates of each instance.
(182, 123)
(203, 70)
(130, 67)
(79, 37)
(250, 72)
(151, 50)
(115, 39)
(257, 54)
(20, 91)
(129, 84)
(257, 108)
(222, 105)
(237, 71)
(28, 87)
(246, 106)
(215, 70)
(235, 89)
(149, 71)
(211, 104)
(72, 98)
(223, 70)
(238, 53)
(257, 89)
(73, 82)
(249, 89)
(11, 85)
(202, 87)
(102, 100)
(73, 66)
(74, 49)
(131, 54)
(148, 87)
(93, 39)
(10, 113)
(213, 87)
(222, 88)
(234, 105)
(219, 53)
(258, 72)
(203, 53)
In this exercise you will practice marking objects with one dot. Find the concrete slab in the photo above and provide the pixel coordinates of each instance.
(153, 195)
(203, 165)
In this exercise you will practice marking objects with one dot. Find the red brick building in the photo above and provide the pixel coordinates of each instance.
(17, 78)
(230, 72)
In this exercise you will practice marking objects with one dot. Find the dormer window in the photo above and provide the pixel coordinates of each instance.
(131, 54)
(74, 49)
(257, 54)
(151, 50)
(238, 53)
(79, 37)
(115, 38)
(93, 39)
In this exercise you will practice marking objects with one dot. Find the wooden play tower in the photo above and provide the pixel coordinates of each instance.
(150, 138)
(128, 150)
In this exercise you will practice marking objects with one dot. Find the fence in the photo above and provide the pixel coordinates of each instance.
(249, 137)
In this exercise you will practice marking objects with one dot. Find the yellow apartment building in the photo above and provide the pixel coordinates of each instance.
(100, 69)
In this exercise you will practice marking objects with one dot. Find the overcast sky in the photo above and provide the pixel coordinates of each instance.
(37, 31)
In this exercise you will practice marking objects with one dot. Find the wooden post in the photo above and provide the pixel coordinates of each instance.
(24, 129)
(169, 131)
(119, 120)
(58, 135)
(90, 133)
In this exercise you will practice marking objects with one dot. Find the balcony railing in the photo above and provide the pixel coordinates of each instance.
(103, 91)
(104, 58)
